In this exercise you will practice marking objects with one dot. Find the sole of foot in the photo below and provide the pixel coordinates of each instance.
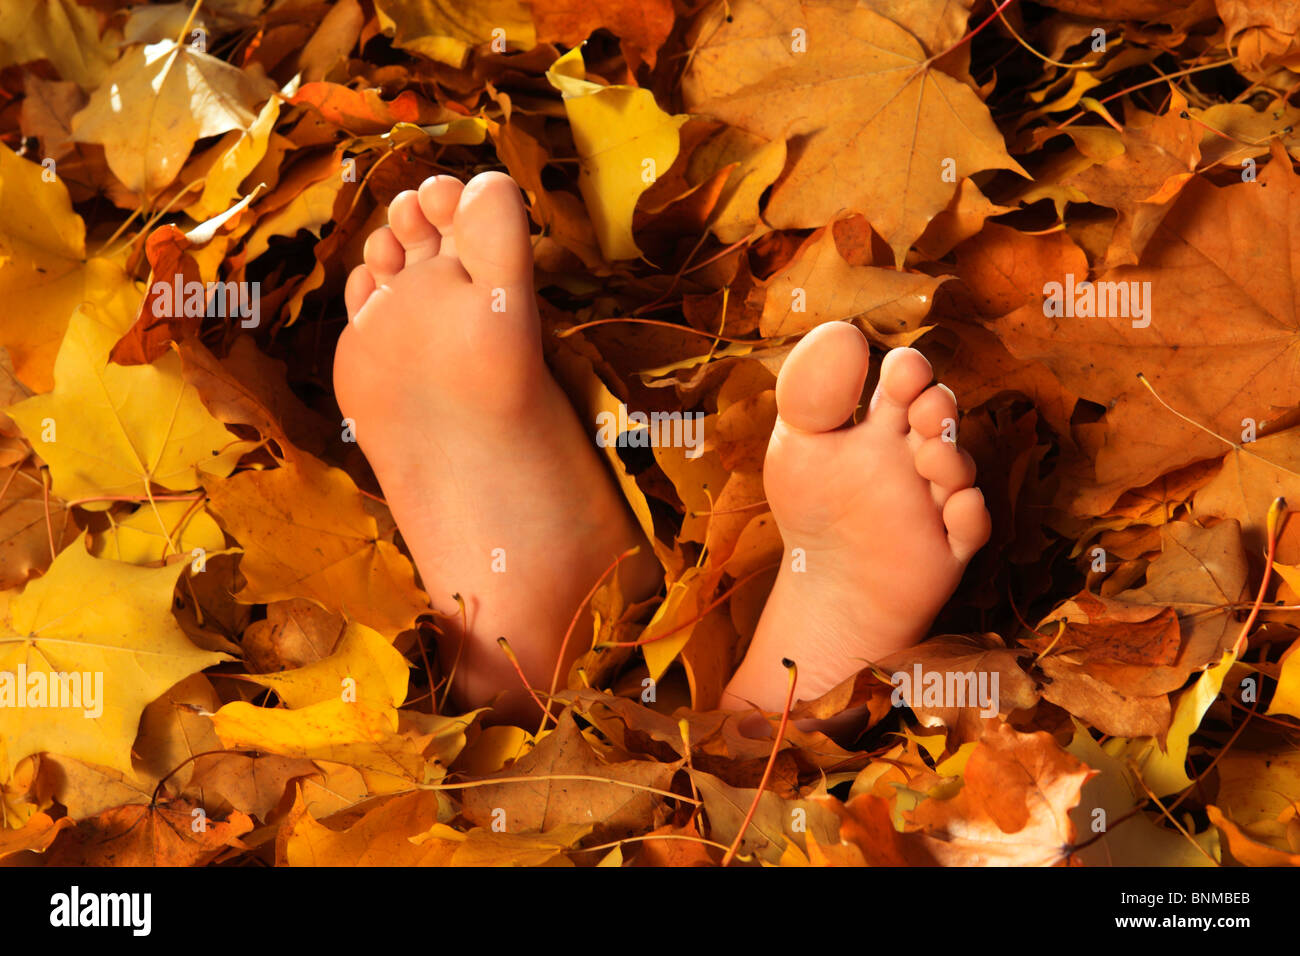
(495, 484)
(879, 519)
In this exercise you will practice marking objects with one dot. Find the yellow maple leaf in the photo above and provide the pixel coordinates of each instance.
(43, 264)
(356, 734)
(103, 628)
(156, 101)
(111, 431)
(61, 31)
(306, 533)
(158, 529)
(444, 30)
(364, 665)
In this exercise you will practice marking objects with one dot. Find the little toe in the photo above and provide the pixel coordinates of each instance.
(359, 286)
(418, 236)
(439, 196)
(968, 523)
(491, 230)
(821, 381)
(904, 374)
(933, 411)
(384, 255)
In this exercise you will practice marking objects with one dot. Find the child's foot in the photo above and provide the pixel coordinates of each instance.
(884, 513)
(496, 486)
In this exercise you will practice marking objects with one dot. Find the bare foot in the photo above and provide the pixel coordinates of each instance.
(884, 512)
(496, 486)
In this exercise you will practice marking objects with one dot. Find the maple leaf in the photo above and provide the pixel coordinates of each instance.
(156, 101)
(1256, 792)
(101, 431)
(1263, 33)
(149, 836)
(890, 302)
(677, 259)
(43, 249)
(1246, 851)
(1116, 654)
(1159, 157)
(615, 801)
(352, 733)
(25, 535)
(108, 623)
(878, 97)
(1230, 245)
(364, 666)
(61, 31)
(34, 836)
(445, 30)
(643, 27)
(777, 824)
(382, 836)
(305, 533)
(1112, 796)
(1013, 807)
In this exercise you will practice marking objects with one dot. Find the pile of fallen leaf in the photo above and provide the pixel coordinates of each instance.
(182, 508)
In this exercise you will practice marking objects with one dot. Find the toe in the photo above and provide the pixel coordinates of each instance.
(418, 236)
(933, 411)
(968, 523)
(821, 381)
(439, 196)
(948, 468)
(384, 255)
(360, 284)
(904, 374)
(491, 230)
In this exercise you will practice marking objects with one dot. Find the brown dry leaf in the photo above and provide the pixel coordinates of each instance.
(1262, 31)
(643, 27)
(777, 823)
(868, 834)
(819, 286)
(249, 388)
(1254, 474)
(34, 836)
(61, 31)
(878, 97)
(1160, 156)
(1119, 655)
(294, 633)
(251, 783)
(831, 145)
(1246, 851)
(1013, 808)
(307, 534)
(954, 681)
(176, 835)
(382, 836)
(25, 535)
(1230, 245)
(614, 804)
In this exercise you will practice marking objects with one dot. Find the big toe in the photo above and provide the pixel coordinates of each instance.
(821, 381)
(491, 230)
